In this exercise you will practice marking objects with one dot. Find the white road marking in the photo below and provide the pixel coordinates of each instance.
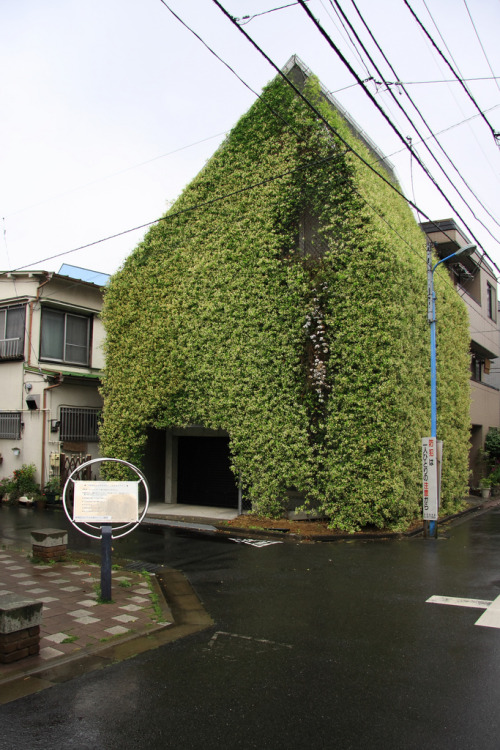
(490, 617)
(254, 542)
(458, 602)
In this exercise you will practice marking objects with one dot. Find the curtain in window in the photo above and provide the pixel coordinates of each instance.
(12, 332)
(15, 323)
(76, 339)
(52, 338)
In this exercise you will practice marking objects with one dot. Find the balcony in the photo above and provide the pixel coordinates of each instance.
(11, 348)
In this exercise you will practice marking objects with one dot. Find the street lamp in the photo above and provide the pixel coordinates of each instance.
(462, 252)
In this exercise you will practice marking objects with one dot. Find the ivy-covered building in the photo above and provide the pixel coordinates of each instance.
(270, 332)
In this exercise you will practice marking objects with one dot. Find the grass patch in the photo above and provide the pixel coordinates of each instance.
(155, 599)
(41, 561)
(98, 595)
(70, 639)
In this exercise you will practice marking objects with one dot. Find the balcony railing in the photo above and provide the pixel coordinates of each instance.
(11, 348)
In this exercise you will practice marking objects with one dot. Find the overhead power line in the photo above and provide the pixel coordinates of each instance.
(253, 186)
(445, 130)
(416, 83)
(398, 103)
(443, 80)
(346, 31)
(481, 44)
(494, 133)
(246, 19)
(333, 130)
(328, 124)
(113, 174)
(276, 114)
(174, 214)
(384, 114)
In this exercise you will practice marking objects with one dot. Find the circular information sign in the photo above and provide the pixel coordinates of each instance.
(111, 504)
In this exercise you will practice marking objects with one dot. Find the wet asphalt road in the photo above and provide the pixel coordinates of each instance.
(326, 645)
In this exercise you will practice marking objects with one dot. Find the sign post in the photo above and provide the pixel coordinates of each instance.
(107, 508)
(106, 563)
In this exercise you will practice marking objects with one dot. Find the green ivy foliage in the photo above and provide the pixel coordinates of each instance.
(310, 348)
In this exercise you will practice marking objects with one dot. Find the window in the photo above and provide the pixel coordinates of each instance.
(476, 367)
(65, 337)
(80, 423)
(491, 301)
(10, 424)
(12, 332)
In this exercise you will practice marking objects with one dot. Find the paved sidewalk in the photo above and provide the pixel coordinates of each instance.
(77, 633)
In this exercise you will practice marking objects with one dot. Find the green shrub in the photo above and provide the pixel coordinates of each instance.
(53, 486)
(24, 482)
(492, 445)
(6, 487)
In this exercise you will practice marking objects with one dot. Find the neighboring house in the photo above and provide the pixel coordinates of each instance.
(51, 360)
(270, 333)
(476, 281)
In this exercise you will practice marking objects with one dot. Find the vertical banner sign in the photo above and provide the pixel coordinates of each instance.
(439, 468)
(430, 479)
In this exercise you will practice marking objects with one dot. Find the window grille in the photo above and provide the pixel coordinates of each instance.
(10, 425)
(80, 423)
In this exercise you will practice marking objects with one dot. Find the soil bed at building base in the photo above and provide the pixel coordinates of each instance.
(317, 530)
(313, 530)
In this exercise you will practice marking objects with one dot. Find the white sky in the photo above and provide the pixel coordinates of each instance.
(101, 101)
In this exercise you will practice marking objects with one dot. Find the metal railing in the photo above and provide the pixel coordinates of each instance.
(80, 423)
(11, 348)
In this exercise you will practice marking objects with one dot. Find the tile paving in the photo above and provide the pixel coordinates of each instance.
(73, 622)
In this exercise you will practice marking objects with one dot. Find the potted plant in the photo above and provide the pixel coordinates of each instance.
(485, 484)
(52, 489)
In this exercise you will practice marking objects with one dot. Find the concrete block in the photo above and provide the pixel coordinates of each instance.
(18, 613)
(49, 537)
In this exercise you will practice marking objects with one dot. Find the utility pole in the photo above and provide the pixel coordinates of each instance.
(430, 445)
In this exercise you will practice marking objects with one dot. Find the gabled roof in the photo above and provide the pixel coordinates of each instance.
(298, 72)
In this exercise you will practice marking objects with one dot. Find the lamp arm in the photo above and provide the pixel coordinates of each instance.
(443, 260)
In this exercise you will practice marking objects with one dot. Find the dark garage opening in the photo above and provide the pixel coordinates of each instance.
(203, 473)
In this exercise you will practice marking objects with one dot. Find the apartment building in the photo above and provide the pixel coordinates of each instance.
(476, 281)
